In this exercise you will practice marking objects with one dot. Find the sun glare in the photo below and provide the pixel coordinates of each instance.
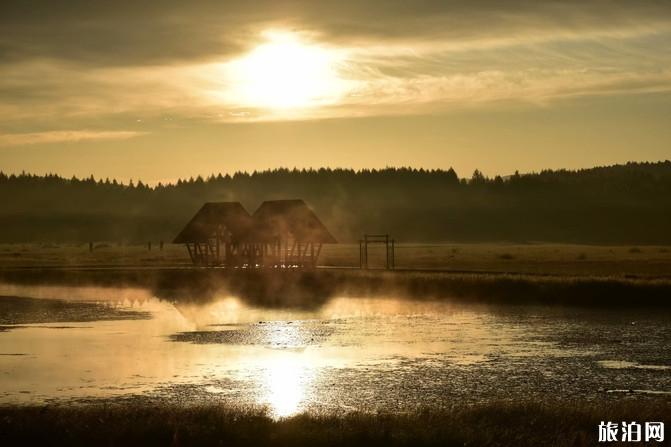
(286, 73)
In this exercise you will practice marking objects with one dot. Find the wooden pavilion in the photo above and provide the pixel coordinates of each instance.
(290, 234)
(280, 234)
(217, 235)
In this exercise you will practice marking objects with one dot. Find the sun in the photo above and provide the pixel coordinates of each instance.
(286, 73)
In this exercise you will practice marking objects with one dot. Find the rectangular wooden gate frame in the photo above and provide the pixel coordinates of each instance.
(377, 239)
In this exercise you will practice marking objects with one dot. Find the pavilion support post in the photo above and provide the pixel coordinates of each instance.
(287, 254)
(304, 254)
(312, 255)
(299, 254)
(319, 250)
(254, 255)
(292, 254)
(218, 249)
(188, 247)
(196, 253)
(250, 255)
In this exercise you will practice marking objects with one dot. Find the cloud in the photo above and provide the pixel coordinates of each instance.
(124, 32)
(84, 63)
(60, 136)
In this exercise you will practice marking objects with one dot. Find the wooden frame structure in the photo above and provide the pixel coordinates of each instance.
(216, 235)
(292, 233)
(390, 249)
(280, 234)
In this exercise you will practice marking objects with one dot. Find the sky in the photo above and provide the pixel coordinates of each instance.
(160, 90)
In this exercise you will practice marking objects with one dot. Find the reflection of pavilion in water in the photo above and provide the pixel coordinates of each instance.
(281, 233)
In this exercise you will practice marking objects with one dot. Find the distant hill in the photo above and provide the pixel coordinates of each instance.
(616, 204)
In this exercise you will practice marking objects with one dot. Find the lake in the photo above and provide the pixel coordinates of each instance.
(68, 344)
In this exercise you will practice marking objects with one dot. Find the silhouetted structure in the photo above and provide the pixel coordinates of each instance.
(280, 234)
(217, 235)
(290, 233)
(389, 245)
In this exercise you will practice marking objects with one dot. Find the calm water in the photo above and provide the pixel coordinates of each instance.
(351, 353)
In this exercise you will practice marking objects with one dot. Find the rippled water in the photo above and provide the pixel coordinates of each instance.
(351, 353)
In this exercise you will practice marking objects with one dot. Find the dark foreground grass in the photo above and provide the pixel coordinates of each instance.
(521, 424)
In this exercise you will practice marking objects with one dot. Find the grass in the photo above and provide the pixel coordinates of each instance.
(311, 289)
(519, 424)
(536, 258)
(23, 310)
(490, 273)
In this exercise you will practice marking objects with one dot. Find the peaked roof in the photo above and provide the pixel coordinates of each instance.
(231, 215)
(276, 218)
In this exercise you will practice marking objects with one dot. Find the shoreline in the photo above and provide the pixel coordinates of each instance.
(301, 288)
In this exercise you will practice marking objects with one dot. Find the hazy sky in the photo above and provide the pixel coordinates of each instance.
(164, 89)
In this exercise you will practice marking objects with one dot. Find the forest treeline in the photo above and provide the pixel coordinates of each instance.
(628, 203)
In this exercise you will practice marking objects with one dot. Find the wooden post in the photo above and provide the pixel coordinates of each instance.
(365, 251)
(312, 255)
(319, 250)
(393, 255)
(304, 254)
(286, 252)
(298, 255)
(292, 254)
(188, 247)
(218, 248)
(386, 248)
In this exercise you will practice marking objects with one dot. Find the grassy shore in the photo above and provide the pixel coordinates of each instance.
(304, 289)
(489, 273)
(519, 424)
(531, 259)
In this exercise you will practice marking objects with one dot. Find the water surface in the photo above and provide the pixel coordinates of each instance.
(352, 353)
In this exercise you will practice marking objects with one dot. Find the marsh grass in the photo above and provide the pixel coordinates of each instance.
(519, 424)
(23, 310)
(532, 258)
(312, 288)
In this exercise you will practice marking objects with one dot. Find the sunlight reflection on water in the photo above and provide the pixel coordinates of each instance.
(284, 381)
